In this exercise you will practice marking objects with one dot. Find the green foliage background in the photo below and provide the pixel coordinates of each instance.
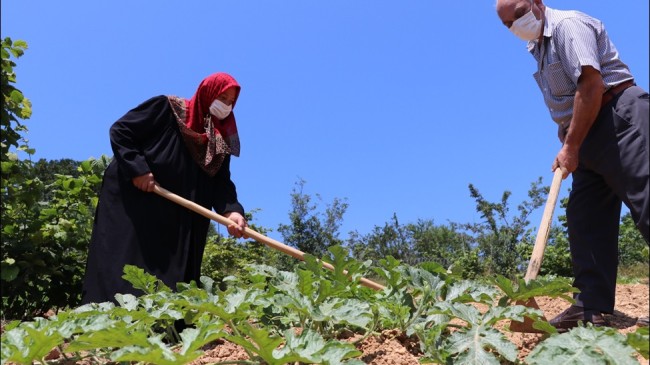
(47, 212)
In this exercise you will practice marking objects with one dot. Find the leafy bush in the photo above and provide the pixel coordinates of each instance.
(309, 230)
(46, 218)
(469, 265)
(633, 248)
(15, 106)
(44, 243)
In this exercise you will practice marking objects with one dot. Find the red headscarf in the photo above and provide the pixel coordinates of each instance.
(208, 138)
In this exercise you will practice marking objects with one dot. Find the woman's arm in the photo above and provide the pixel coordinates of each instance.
(129, 134)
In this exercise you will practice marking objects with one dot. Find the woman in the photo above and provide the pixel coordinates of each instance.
(185, 146)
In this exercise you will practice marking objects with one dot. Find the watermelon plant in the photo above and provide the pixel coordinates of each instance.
(281, 317)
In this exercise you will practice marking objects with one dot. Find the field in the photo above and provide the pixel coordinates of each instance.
(314, 316)
(393, 348)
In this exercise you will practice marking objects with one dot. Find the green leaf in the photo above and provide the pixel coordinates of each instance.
(18, 43)
(232, 306)
(127, 301)
(161, 310)
(118, 335)
(205, 332)
(640, 341)
(156, 352)
(344, 311)
(477, 342)
(16, 96)
(285, 281)
(584, 345)
(423, 281)
(8, 270)
(304, 348)
(311, 348)
(6, 166)
(542, 286)
(14, 347)
(29, 342)
(143, 281)
(472, 346)
(470, 291)
(86, 166)
(260, 341)
(307, 282)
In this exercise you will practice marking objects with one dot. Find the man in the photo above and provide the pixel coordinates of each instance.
(602, 119)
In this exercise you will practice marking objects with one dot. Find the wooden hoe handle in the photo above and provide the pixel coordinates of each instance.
(249, 232)
(542, 234)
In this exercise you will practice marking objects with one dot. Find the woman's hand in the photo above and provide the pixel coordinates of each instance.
(144, 182)
(237, 229)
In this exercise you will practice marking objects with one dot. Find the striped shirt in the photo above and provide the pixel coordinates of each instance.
(573, 40)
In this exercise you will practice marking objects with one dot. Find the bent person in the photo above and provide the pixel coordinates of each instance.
(185, 145)
(602, 119)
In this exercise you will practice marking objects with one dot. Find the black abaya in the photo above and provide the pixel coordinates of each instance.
(144, 229)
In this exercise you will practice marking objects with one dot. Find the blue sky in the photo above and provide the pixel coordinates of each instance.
(396, 106)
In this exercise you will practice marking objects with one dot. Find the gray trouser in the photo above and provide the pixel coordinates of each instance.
(613, 168)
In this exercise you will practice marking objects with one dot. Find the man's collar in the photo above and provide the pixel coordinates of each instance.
(549, 21)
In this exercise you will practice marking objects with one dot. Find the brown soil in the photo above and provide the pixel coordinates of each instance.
(632, 302)
(393, 348)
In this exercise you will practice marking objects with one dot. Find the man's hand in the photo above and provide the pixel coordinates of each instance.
(144, 182)
(237, 229)
(567, 160)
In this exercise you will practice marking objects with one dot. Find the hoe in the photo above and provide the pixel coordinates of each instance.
(249, 232)
(538, 251)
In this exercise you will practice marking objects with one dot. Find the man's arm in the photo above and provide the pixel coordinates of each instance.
(585, 110)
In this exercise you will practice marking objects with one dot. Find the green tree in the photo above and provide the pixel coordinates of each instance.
(47, 172)
(469, 264)
(391, 239)
(16, 106)
(45, 227)
(438, 243)
(420, 243)
(310, 230)
(500, 234)
(633, 248)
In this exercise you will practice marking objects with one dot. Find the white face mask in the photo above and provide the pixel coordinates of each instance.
(219, 109)
(527, 27)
